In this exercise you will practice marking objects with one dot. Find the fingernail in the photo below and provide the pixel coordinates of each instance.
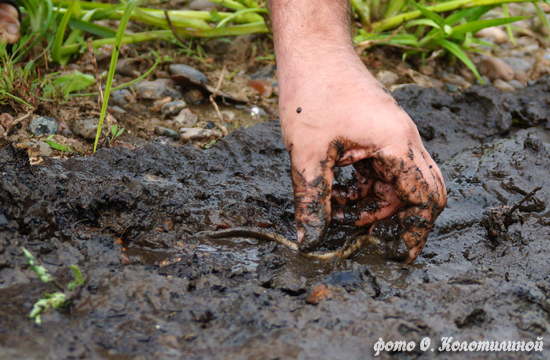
(12, 29)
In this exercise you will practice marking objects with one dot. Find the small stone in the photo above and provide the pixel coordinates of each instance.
(495, 33)
(495, 68)
(3, 220)
(210, 125)
(503, 85)
(522, 77)
(86, 128)
(227, 115)
(186, 118)
(38, 148)
(516, 84)
(116, 110)
(173, 108)
(189, 72)
(485, 79)
(452, 88)
(187, 134)
(318, 293)
(120, 97)
(44, 125)
(6, 120)
(127, 67)
(2, 130)
(157, 89)
(518, 64)
(194, 96)
(157, 105)
(455, 80)
(162, 131)
(387, 78)
(261, 86)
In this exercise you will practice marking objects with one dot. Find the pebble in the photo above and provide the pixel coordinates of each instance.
(455, 80)
(3, 220)
(518, 64)
(495, 68)
(451, 87)
(186, 118)
(210, 125)
(189, 72)
(44, 125)
(522, 77)
(194, 96)
(227, 115)
(266, 73)
(503, 85)
(127, 67)
(198, 134)
(387, 78)
(6, 120)
(495, 33)
(261, 86)
(2, 130)
(120, 97)
(86, 128)
(116, 110)
(485, 79)
(173, 108)
(157, 89)
(516, 84)
(159, 130)
(38, 148)
(158, 104)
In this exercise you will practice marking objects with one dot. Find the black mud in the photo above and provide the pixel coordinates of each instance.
(162, 294)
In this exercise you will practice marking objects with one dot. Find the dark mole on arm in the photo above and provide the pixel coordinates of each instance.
(299, 110)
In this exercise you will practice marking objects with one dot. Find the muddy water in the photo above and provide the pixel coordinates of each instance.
(161, 293)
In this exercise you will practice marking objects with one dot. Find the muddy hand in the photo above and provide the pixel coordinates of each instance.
(9, 23)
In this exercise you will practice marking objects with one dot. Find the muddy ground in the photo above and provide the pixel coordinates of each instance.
(155, 291)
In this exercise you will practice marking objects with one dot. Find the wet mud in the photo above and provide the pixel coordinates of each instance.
(154, 290)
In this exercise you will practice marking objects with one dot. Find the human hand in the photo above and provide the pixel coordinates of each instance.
(9, 23)
(336, 114)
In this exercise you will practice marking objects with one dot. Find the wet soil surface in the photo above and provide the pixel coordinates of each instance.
(156, 291)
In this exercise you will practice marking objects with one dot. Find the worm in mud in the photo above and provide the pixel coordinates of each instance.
(353, 244)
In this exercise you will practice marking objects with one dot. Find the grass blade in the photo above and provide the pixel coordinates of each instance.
(58, 42)
(114, 57)
(542, 16)
(475, 26)
(461, 55)
(508, 27)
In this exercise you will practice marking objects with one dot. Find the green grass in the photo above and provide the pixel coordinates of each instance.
(59, 29)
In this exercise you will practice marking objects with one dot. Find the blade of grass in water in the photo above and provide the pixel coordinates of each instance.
(114, 57)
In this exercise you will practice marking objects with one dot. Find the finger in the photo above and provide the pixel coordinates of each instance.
(420, 186)
(312, 182)
(358, 187)
(382, 203)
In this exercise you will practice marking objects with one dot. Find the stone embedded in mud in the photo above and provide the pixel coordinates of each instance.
(522, 77)
(87, 128)
(157, 89)
(495, 68)
(187, 134)
(44, 125)
(38, 148)
(193, 96)
(186, 118)
(516, 84)
(455, 80)
(6, 120)
(189, 72)
(518, 64)
(162, 131)
(318, 293)
(173, 108)
(452, 88)
(261, 86)
(503, 85)
(387, 78)
(120, 97)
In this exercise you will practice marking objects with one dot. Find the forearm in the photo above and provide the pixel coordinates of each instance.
(306, 30)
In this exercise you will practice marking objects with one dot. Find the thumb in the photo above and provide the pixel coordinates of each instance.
(312, 181)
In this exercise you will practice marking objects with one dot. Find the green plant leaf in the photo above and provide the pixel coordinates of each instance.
(508, 27)
(542, 16)
(114, 129)
(461, 55)
(431, 15)
(91, 28)
(58, 42)
(239, 13)
(114, 57)
(74, 81)
(475, 26)
(58, 146)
